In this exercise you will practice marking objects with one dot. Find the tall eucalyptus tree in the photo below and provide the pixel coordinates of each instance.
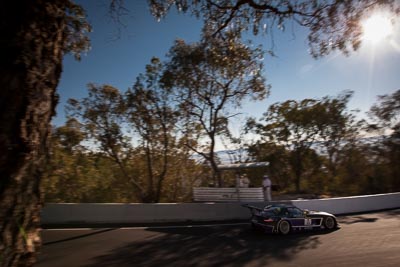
(211, 78)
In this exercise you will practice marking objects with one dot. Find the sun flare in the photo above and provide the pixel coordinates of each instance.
(377, 28)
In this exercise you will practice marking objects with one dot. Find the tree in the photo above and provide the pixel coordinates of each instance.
(152, 115)
(278, 158)
(352, 170)
(70, 174)
(70, 135)
(333, 25)
(336, 126)
(210, 78)
(294, 125)
(303, 126)
(386, 113)
(385, 117)
(35, 36)
(77, 173)
(102, 115)
(147, 112)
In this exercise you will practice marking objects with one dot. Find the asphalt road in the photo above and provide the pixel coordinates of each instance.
(363, 240)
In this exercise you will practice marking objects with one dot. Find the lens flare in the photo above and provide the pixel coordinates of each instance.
(377, 28)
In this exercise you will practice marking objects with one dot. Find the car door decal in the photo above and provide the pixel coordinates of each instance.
(306, 222)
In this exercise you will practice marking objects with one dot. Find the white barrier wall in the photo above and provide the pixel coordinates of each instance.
(351, 204)
(141, 213)
(86, 213)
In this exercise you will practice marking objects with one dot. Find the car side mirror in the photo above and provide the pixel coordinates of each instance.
(305, 212)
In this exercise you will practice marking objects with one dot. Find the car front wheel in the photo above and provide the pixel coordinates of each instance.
(329, 223)
(284, 227)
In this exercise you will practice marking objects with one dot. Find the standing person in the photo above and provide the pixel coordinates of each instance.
(244, 181)
(267, 188)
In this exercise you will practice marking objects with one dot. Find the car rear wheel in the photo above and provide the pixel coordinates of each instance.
(284, 227)
(329, 223)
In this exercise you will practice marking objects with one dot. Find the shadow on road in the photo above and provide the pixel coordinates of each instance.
(392, 213)
(79, 236)
(357, 219)
(365, 218)
(206, 246)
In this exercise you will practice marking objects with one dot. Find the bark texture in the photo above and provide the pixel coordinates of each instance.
(30, 67)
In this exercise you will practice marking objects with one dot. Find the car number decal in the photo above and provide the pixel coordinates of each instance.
(307, 222)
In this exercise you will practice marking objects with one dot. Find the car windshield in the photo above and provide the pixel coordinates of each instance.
(272, 211)
(295, 212)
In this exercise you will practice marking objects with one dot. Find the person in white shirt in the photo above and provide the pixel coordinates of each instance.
(244, 181)
(267, 188)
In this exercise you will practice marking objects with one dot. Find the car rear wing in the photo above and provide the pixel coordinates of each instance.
(253, 209)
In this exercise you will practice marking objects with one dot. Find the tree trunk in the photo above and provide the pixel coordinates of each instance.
(298, 169)
(216, 172)
(30, 67)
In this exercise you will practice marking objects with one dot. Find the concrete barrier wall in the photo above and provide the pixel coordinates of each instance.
(141, 213)
(113, 213)
(351, 204)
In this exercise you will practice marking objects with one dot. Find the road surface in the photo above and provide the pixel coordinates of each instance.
(363, 240)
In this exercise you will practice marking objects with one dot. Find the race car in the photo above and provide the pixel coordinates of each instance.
(283, 218)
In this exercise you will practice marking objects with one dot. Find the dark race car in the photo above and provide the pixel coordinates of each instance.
(282, 218)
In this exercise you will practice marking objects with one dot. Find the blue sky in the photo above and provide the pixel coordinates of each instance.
(293, 73)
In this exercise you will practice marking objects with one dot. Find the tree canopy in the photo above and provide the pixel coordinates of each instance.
(302, 126)
(333, 25)
(211, 79)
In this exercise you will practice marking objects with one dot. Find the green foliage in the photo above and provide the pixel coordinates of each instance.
(293, 125)
(76, 30)
(386, 113)
(278, 158)
(83, 175)
(173, 108)
(101, 115)
(210, 79)
(336, 127)
(70, 136)
(125, 141)
(153, 116)
(385, 116)
(324, 125)
(79, 175)
(361, 165)
(332, 25)
(320, 142)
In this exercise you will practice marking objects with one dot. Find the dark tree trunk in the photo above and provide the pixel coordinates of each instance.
(30, 66)
(216, 172)
(298, 168)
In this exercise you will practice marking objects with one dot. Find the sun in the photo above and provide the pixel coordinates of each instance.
(377, 28)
